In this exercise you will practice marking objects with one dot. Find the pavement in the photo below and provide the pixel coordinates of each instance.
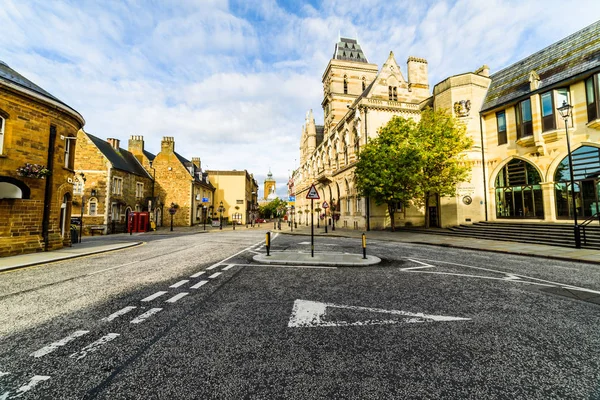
(101, 244)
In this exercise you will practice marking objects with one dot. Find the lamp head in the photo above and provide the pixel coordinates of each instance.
(565, 110)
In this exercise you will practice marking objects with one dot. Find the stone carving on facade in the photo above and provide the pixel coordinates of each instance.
(462, 108)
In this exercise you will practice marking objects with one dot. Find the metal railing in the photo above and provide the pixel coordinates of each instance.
(588, 221)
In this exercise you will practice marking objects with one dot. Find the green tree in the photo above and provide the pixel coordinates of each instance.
(274, 208)
(441, 142)
(389, 167)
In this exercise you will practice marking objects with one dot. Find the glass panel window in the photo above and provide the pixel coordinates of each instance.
(591, 94)
(93, 207)
(518, 191)
(562, 96)
(524, 124)
(548, 116)
(139, 189)
(501, 122)
(117, 185)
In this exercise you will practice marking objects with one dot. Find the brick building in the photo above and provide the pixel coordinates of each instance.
(39, 129)
(112, 182)
(181, 182)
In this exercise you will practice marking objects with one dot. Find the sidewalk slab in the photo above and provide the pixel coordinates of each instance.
(26, 260)
(322, 259)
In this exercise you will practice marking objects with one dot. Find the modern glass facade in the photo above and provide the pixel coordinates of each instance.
(518, 191)
(586, 169)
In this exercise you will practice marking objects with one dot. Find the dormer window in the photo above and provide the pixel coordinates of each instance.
(392, 93)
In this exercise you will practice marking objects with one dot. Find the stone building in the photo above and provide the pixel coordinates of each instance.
(183, 183)
(238, 190)
(519, 165)
(39, 129)
(112, 183)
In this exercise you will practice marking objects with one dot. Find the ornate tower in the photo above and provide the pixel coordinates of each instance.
(269, 188)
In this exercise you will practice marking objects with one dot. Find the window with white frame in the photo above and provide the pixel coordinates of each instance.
(69, 152)
(2, 124)
(117, 185)
(348, 206)
(93, 206)
(139, 190)
(115, 212)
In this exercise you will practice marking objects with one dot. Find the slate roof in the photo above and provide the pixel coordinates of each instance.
(121, 159)
(188, 164)
(149, 155)
(569, 57)
(12, 76)
(349, 50)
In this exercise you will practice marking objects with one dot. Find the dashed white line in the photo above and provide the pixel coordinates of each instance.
(32, 383)
(213, 276)
(197, 274)
(141, 318)
(92, 347)
(122, 311)
(197, 285)
(154, 296)
(176, 297)
(214, 266)
(423, 265)
(228, 267)
(53, 346)
(4, 374)
(176, 285)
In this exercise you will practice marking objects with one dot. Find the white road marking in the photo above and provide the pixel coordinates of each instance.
(141, 318)
(27, 387)
(176, 297)
(53, 346)
(4, 396)
(154, 296)
(213, 266)
(92, 347)
(197, 274)
(320, 244)
(4, 374)
(307, 313)
(197, 285)
(228, 267)
(176, 285)
(519, 278)
(255, 252)
(213, 276)
(511, 277)
(122, 311)
(423, 265)
(108, 269)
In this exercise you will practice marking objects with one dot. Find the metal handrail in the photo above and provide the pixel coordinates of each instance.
(588, 221)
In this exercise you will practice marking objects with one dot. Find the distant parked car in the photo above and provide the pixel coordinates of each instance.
(260, 220)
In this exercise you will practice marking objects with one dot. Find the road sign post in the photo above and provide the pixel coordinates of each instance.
(312, 195)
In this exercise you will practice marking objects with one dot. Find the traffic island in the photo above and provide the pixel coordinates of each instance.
(324, 259)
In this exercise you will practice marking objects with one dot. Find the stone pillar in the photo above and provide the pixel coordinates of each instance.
(549, 201)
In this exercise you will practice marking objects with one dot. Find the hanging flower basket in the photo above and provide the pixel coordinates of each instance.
(33, 171)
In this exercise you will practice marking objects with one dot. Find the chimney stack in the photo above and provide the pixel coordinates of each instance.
(114, 143)
(168, 144)
(196, 162)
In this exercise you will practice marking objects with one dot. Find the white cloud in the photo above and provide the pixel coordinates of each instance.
(232, 81)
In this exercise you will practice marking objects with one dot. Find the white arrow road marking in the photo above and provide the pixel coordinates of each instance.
(213, 276)
(306, 313)
(53, 346)
(92, 347)
(511, 277)
(197, 285)
(423, 265)
(27, 387)
(141, 318)
(117, 314)
(197, 274)
(176, 285)
(227, 268)
(154, 296)
(176, 297)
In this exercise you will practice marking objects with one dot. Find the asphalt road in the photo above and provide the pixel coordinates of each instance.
(193, 317)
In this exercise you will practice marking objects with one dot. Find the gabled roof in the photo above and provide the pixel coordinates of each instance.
(197, 173)
(121, 159)
(9, 75)
(569, 57)
(349, 50)
(149, 155)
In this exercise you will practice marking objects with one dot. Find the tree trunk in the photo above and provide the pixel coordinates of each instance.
(427, 210)
(392, 219)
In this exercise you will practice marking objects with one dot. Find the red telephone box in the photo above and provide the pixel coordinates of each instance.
(138, 222)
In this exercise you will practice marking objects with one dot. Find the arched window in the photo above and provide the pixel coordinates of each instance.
(93, 206)
(345, 84)
(518, 191)
(586, 172)
(2, 124)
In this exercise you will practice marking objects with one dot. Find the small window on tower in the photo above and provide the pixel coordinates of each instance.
(345, 85)
(364, 84)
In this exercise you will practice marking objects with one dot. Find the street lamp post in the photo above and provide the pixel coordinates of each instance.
(220, 215)
(292, 212)
(204, 215)
(82, 204)
(565, 112)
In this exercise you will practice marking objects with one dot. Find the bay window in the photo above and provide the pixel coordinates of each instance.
(524, 123)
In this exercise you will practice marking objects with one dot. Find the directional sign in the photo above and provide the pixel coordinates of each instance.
(312, 193)
(325, 205)
(306, 314)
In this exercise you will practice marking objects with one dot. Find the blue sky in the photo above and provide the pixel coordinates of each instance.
(232, 81)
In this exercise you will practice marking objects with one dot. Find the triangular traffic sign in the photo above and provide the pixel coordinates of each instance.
(312, 193)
